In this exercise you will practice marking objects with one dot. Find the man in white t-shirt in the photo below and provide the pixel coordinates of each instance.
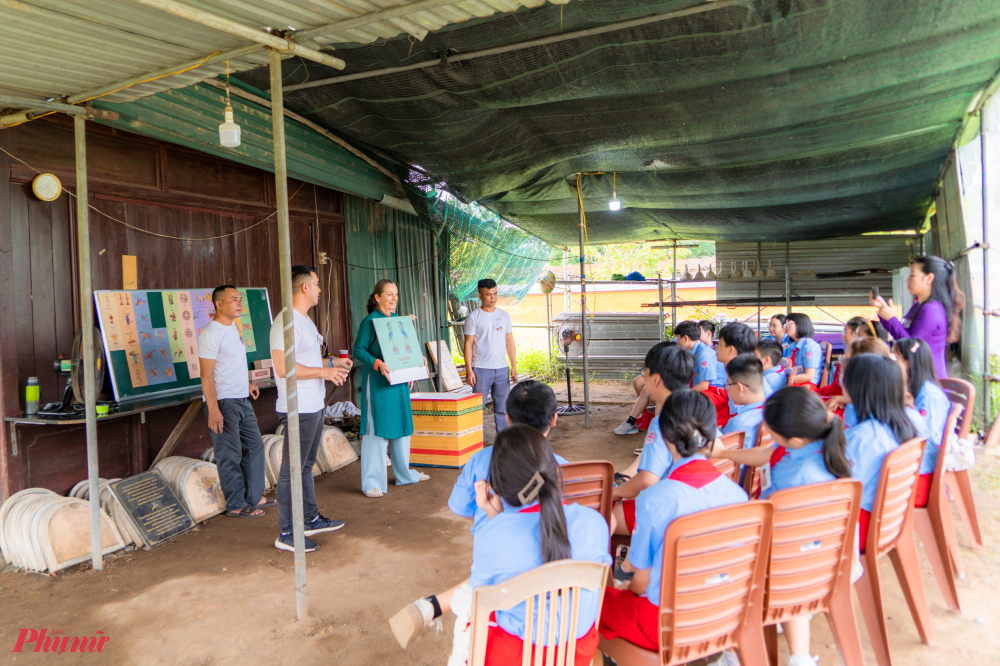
(489, 341)
(311, 372)
(232, 424)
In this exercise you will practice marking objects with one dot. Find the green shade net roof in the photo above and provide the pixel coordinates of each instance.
(755, 120)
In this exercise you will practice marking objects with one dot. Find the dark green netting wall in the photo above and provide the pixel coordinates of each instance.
(755, 120)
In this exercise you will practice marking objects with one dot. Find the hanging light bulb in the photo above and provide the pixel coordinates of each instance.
(614, 204)
(229, 131)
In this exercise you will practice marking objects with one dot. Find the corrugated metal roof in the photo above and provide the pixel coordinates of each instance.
(56, 48)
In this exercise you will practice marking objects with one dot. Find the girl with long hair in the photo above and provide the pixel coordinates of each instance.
(915, 360)
(528, 525)
(687, 423)
(806, 356)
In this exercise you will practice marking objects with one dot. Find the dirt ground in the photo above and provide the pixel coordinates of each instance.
(224, 595)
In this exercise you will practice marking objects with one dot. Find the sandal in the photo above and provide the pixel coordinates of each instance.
(245, 512)
(621, 479)
(373, 493)
(424, 477)
(266, 502)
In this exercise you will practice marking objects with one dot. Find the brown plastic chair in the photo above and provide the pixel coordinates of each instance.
(555, 586)
(937, 532)
(810, 567)
(963, 394)
(711, 590)
(751, 480)
(890, 532)
(590, 483)
(731, 442)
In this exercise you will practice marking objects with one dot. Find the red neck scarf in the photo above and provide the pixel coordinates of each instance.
(537, 508)
(697, 473)
(776, 455)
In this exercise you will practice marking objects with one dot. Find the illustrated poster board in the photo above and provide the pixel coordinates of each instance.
(400, 349)
(151, 337)
(449, 373)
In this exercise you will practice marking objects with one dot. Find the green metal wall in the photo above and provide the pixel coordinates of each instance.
(191, 117)
(386, 243)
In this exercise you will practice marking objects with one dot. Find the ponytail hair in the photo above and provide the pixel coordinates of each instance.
(688, 421)
(876, 386)
(523, 467)
(795, 411)
(945, 291)
(917, 355)
(377, 291)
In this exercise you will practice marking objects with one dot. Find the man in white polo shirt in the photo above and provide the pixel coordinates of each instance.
(489, 340)
(311, 373)
(225, 383)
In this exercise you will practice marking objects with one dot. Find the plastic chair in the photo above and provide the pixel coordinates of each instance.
(751, 480)
(731, 442)
(590, 483)
(890, 532)
(712, 588)
(810, 567)
(937, 532)
(555, 585)
(962, 393)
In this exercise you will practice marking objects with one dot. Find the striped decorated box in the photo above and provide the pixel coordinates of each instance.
(447, 428)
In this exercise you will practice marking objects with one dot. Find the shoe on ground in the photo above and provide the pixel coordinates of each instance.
(626, 428)
(287, 542)
(411, 621)
(638, 451)
(322, 524)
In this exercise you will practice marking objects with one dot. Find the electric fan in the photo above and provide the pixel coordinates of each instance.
(572, 338)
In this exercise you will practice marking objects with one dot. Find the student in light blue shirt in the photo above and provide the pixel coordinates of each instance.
(776, 332)
(527, 526)
(769, 352)
(746, 389)
(688, 336)
(806, 356)
(668, 368)
(809, 447)
(692, 484)
(917, 363)
(530, 402)
(734, 339)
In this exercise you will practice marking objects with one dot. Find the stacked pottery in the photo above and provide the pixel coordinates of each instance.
(43, 531)
(271, 442)
(196, 484)
(334, 451)
(130, 534)
(208, 455)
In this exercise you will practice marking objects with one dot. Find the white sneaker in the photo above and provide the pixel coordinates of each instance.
(626, 428)
(802, 660)
(727, 658)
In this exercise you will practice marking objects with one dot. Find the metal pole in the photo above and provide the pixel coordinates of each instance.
(439, 379)
(583, 325)
(673, 290)
(566, 290)
(87, 324)
(548, 324)
(291, 382)
(788, 281)
(990, 156)
(659, 285)
(758, 290)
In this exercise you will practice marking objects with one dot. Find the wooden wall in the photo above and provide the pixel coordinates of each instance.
(148, 185)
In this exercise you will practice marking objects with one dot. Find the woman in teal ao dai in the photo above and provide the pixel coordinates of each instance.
(386, 419)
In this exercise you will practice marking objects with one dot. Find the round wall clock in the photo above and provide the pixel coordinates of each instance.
(46, 187)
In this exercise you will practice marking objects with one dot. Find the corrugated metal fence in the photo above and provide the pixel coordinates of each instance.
(387, 243)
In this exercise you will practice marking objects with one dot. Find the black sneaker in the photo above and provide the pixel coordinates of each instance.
(287, 542)
(322, 524)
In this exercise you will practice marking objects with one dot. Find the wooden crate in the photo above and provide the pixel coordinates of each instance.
(448, 428)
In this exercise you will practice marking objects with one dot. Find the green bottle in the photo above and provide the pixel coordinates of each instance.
(31, 394)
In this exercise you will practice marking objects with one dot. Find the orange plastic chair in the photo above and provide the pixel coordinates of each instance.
(731, 442)
(555, 585)
(590, 483)
(712, 588)
(751, 480)
(810, 567)
(937, 532)
(962, 393)
(890, 532)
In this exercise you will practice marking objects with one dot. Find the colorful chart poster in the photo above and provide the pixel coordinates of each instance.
(175, 333)
(400, 349)
(153, 344)
(202, 309)
(113, 338)
(130, 333)
(188, 333)
(245, 324)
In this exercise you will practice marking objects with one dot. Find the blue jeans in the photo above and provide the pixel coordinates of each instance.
(239, 453)
(310, 437)
(496, 381)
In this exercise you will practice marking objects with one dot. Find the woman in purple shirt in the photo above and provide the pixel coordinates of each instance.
(936, 316)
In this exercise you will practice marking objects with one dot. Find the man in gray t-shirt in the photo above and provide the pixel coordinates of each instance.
(489, 341)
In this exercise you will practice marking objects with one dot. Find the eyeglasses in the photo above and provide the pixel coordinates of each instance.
(733, 384)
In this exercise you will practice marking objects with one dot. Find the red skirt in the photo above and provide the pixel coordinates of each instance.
(720, 398)
(830, 390)
(504, 649)
(922, 491)
(642, 423)
(864, 519)
(628, 508)
(634, 619)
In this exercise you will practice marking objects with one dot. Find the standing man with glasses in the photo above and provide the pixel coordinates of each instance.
(232, 424)
(489, 342)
